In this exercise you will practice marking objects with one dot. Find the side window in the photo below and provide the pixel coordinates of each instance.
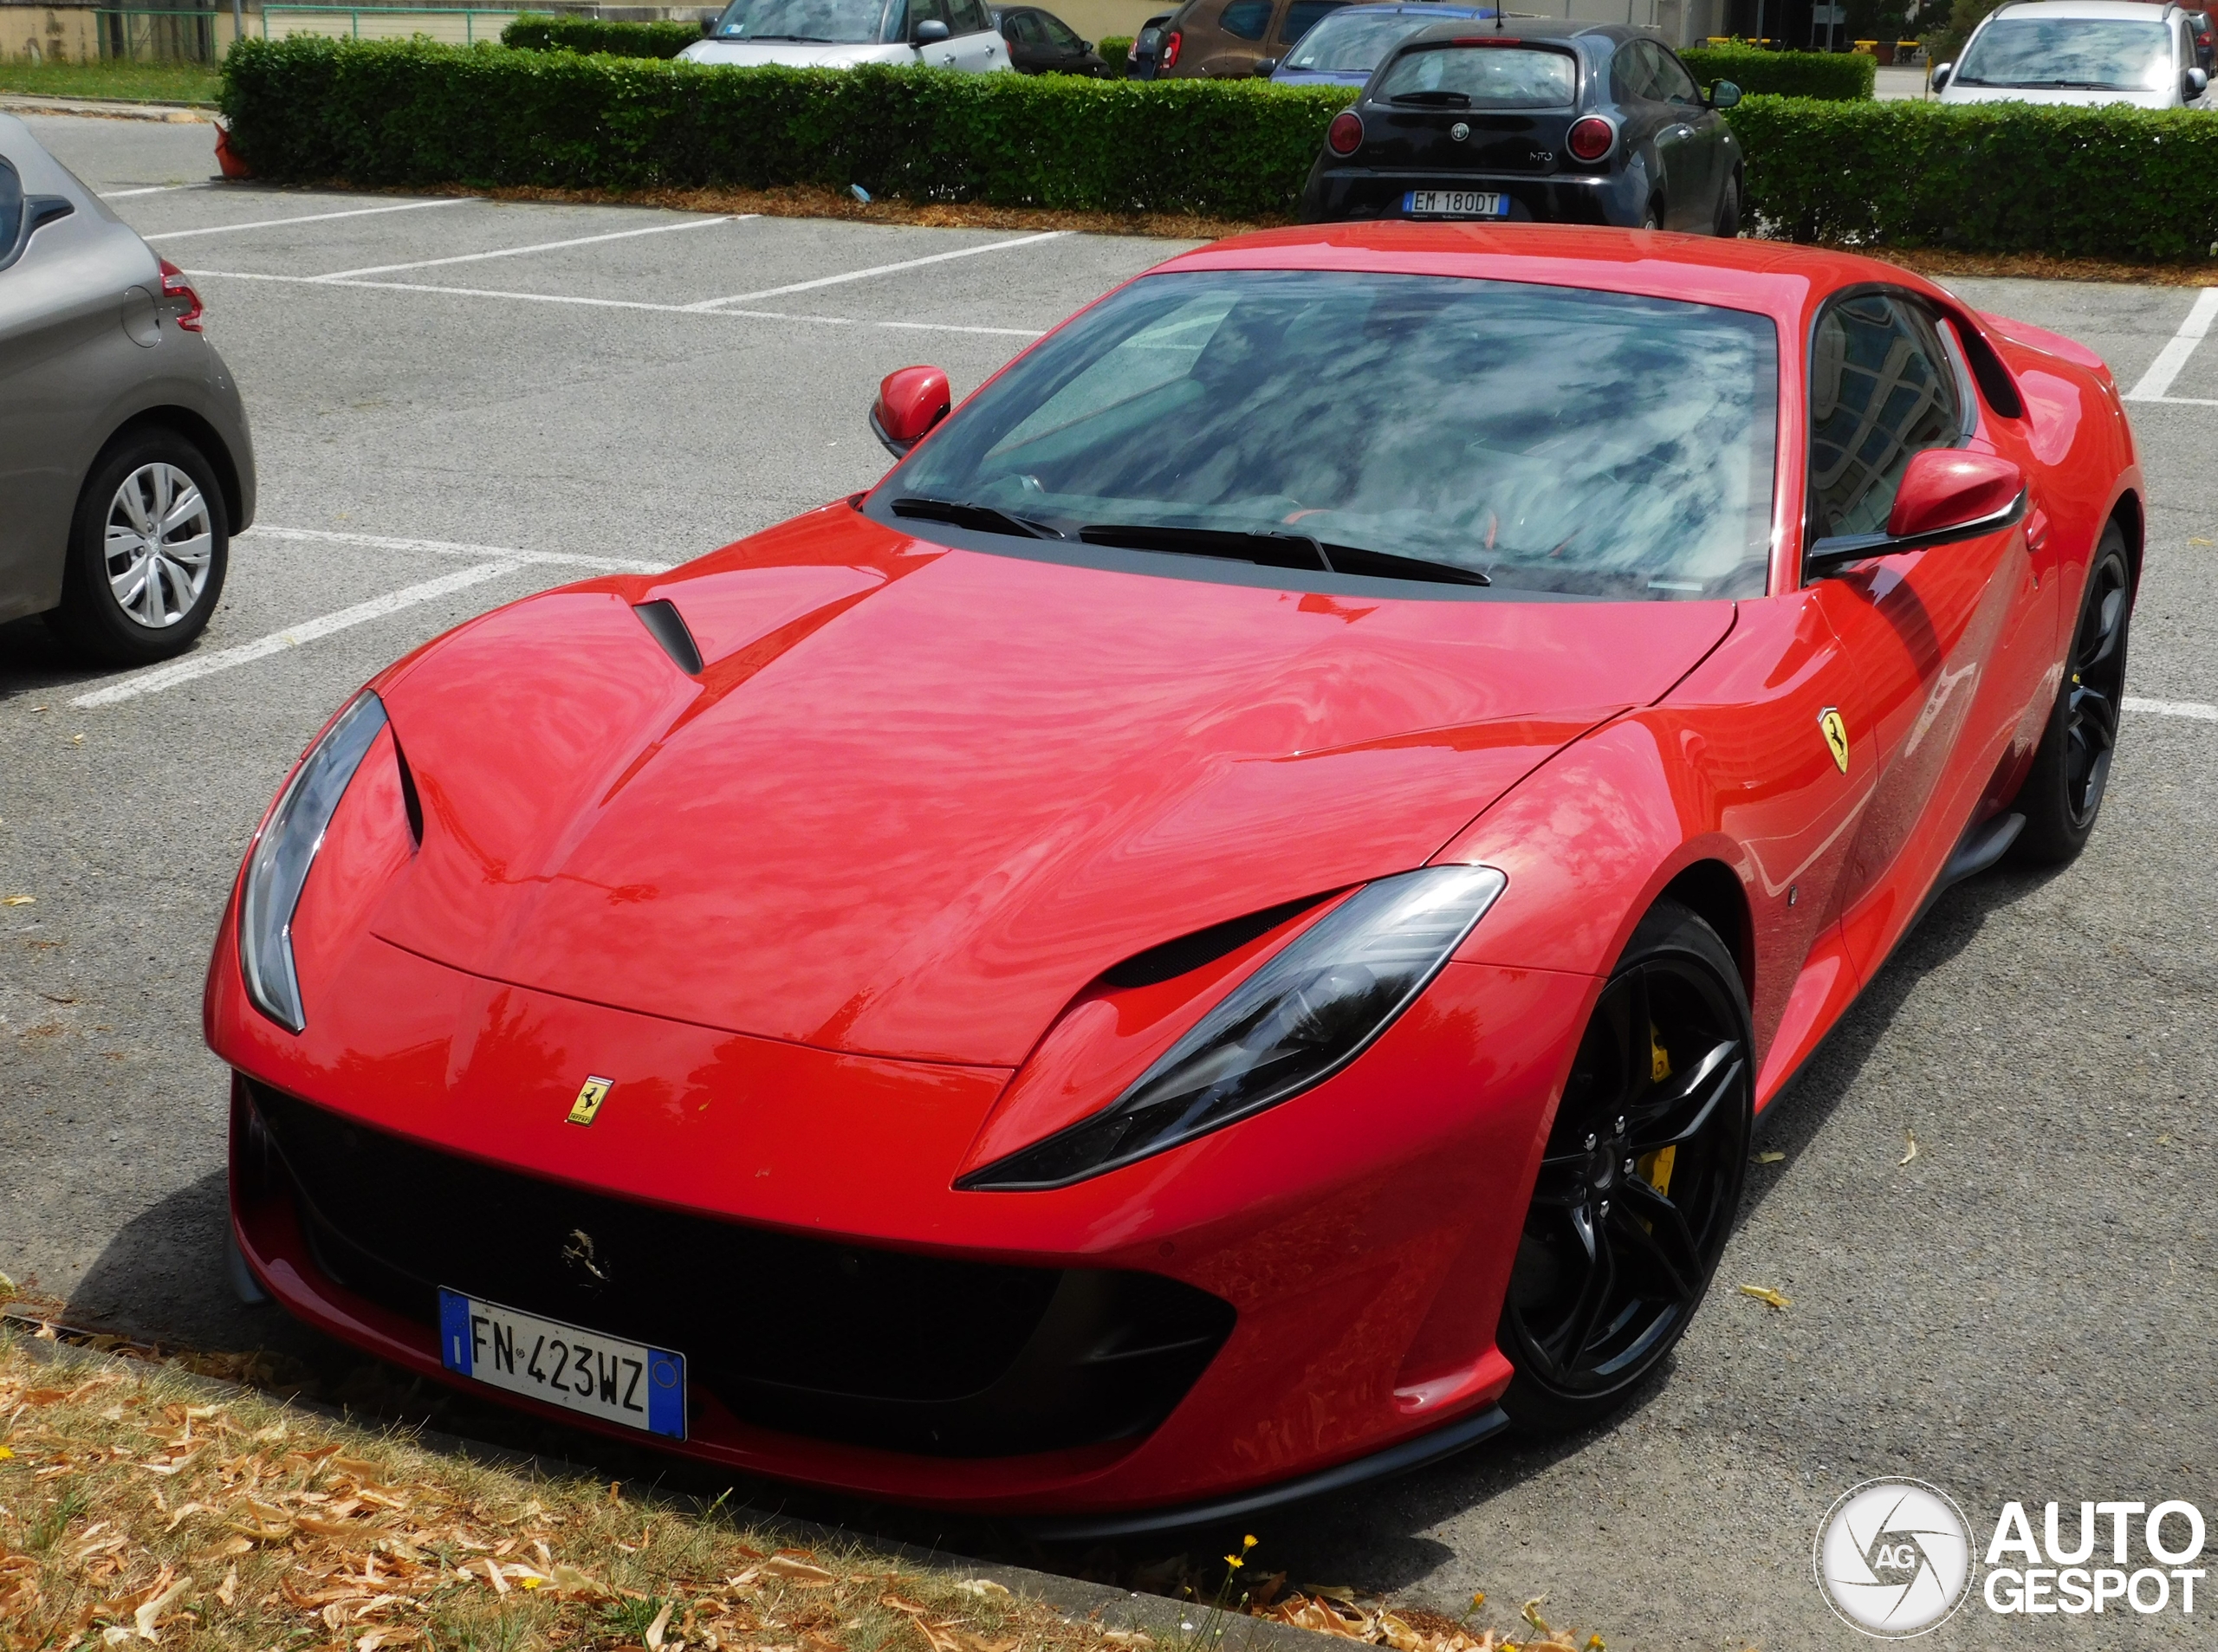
(1021, 26)
(1882, 388)
(970, 17)
(1059, 33)
(924, 11)
(11, 211)
(1673, 84)
(1247, 19)
(1631, 71)
(1305, 15)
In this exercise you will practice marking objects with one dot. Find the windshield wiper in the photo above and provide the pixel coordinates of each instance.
(985, 518)
(807, 39)
(1276, 548)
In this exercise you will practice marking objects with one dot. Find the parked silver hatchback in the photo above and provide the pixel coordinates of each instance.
(124, 463)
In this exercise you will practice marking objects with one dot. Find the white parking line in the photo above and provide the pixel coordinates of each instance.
(312, 218)
(225, 660)
(606, 303)
(2173, 357)
(2195, 708)
(450, 548)
(543, 246)
(879, 269)
(151, 189)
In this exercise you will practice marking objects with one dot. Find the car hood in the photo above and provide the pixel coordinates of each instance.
(2081, 97)
(917, 797)
(793, 54)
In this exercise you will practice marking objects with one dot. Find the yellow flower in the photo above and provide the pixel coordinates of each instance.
(5, 1454)
(1234, 1560)
(1247, 1543)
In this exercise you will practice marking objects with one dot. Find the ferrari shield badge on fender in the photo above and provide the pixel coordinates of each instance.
(596, 1091)
(1829, 724)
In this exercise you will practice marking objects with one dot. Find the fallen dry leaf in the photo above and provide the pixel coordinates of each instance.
(661, 1623)
(1766, 1295)
(1770, 1158)
(801, 1573)
(18, 900)
(143, 1620)
(1911, 1138)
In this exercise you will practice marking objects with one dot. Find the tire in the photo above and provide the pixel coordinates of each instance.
(1728, 210)
(111, 609)
(1652, 216)
(2063, 793)
(1640, 1180)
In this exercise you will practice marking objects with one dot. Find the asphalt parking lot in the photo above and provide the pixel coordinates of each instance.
(457, 401)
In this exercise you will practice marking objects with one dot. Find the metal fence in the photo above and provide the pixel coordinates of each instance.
(456, 25)
(149, 35)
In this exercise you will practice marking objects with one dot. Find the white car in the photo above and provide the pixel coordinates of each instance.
(2079, 51)
(840, 34)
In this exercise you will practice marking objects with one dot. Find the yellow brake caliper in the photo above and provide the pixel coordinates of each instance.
(1655, 1168)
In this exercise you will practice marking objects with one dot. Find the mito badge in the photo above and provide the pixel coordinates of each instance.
(1894, 1558)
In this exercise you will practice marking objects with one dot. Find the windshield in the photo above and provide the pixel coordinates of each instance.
(2070, 52)
(1547, 438)
(842, 22)
(1493, 77)
(1353, 45)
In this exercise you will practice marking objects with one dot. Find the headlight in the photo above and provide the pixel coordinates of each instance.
(1297, 1021)
(277, 866)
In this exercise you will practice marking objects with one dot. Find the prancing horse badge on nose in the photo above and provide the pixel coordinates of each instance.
(589, 1099)
(1829, 724)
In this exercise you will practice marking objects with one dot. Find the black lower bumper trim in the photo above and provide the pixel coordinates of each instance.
(1444, 1442)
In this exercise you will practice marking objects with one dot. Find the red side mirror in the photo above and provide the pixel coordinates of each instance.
(1946, 488)
(910, 402)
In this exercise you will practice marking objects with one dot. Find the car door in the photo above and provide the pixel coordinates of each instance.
(65, 354)
(1704, 147)
(1947, 640)
(977, 45)
(1227, 40)
(1636, 73)
(1065, 53)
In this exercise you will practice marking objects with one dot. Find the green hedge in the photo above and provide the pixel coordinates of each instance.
(412, 113)
(537, 32)
(1116, 51)
(1786, 75)
(2135, 184)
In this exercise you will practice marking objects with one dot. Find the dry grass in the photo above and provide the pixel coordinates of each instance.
(136, 1508)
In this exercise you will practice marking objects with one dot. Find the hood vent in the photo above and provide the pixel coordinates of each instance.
(1190, 952)
(667, 626)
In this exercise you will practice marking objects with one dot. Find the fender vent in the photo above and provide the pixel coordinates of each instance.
(667, 626)
(1190, 952)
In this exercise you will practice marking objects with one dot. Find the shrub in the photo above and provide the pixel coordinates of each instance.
(537, 32)
(413, 111)
(1788, 74)
(1116, 51)
(2135, 184)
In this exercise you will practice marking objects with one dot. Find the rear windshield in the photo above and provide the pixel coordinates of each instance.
(2090, 53)
(1353, 45)
(1480, 77)
(1552, 439)
(832, 22)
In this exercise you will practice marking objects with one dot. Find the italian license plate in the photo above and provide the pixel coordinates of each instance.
(625, 1382)
(1455, 203)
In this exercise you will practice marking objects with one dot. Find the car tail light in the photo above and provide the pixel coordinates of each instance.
(1172, 42)
(1592, 137)
(1345, 135)
(174, 285)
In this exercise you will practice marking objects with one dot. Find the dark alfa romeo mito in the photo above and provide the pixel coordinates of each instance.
(1540, 121)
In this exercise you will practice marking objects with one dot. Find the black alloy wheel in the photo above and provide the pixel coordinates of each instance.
(1639, 1182)
(2063, 792)
(1652, 216)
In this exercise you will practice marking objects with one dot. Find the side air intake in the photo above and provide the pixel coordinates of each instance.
(667, 626)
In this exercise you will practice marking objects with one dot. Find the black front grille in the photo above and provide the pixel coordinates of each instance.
(842, 1342)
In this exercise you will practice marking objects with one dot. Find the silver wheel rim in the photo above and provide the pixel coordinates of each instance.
(161, 542)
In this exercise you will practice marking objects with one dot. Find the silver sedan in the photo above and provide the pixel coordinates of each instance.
(124, 463)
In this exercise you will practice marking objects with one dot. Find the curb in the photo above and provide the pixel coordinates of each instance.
(1077, 1599)
(113, 108)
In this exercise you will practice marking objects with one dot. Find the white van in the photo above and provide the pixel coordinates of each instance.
(2079, 51)
(839, 33)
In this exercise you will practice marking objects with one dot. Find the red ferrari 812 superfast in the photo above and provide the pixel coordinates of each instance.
(1219, 933)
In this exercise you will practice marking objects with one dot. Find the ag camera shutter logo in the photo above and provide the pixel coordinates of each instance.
(1894, 1558)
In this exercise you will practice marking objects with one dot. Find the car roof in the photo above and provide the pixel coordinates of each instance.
(1538, 29)
(1775, 278)
(2138, 10)
(1412, 9)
